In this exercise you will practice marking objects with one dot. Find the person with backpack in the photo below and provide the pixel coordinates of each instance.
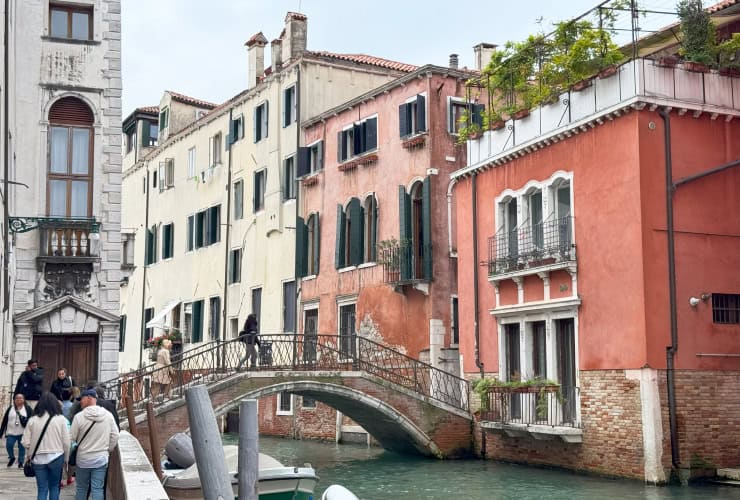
(62, 382)
(249, 335)
(29, 383)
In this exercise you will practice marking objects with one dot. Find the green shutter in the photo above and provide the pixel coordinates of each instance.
(197, 330)
(426, 227)
(404, 224)
(339, 249)
(316, 243)
(301, 245)
(421, 114)
(356, 223)
(374, 232)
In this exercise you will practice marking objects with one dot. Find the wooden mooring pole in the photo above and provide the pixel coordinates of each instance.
(153, 439)
(129, 404)
(248, 450)
(209, 450)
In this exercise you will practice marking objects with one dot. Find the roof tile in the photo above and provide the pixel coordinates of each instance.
(366, 59)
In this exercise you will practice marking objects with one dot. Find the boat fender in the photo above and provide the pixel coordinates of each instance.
(338, 492)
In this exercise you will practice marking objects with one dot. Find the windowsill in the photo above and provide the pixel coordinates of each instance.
(73, 41)
(311, 179)
(289, 200)
(235, 283)
(309, 278)
(347, 269)
(366, 158)
(365, 265)
(414, 141)
(283, 413)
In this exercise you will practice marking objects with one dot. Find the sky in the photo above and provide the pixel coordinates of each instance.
(196, 47)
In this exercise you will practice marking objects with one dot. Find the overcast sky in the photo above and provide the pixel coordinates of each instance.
(196, 47)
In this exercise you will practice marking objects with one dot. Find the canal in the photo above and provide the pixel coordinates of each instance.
(375, 474)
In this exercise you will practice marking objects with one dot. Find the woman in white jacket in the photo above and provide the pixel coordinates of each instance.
(53, 446)
(96, 435)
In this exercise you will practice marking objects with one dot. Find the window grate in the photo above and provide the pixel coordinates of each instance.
(726, 308)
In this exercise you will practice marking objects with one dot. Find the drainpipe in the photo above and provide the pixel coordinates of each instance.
(671, 349)
(6, 161)
(476, 306)
(297, 202)
(450, 186)
(227, 249)
(144, 267)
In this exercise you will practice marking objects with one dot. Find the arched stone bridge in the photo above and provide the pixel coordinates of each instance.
(406, 405)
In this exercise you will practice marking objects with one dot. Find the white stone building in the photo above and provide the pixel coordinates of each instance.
(211, 210)
(61, 148)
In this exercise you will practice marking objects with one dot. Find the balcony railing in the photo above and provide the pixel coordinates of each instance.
(401, 264)
(68, 238)
(553, 406)
(531, 246)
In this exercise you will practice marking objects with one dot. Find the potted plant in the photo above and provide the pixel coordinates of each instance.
(729, 56)
(668, 61)
(388, 254)
(699, 36)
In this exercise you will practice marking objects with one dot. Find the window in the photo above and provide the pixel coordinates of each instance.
(164, 117)
(204, 228)
(214, 308)
(350, 245)
(726, 308)
(539, 350)
(214, 150)
(235, 266)
(72, 22)
(289, 181)
(166, 174)
(285, 403)
(144, 185)
(289, 307)
(236, 130)
(412, 116)
(121, 333)
(289, 106)
(257, 302)
(347, 333)
(233, 328)
(370, 213)
(357, 139)
(310, 334)
(148, 315)
(261, 114)
(460, 111)
(191, 163)
(238, 200)
(534, 207)
(415, 209)
(127, 250)
(307, 246)
(154, 179)
(69, 186)
(151, 246)
(196, 328)
(150, 134)
(191, 232)
(308, 403)
(260, 183)
(213, 225)
(188, 322)
(455, 322)
(310, 159)
(168, 241)
(130, 139)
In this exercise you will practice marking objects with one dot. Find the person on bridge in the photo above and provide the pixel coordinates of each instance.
(29, 383)
(62, 382)
(14, 423)
(250, 337)
(162, 376)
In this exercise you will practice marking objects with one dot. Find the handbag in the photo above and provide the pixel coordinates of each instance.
(73, 454)
(28, 469)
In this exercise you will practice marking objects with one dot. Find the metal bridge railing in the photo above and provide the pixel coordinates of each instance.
(216, 361)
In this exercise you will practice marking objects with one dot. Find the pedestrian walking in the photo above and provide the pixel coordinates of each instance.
(68, 399)
(14, 423)
(29, 383)
(63, 381)
(47, 435)
(162, 376)
(108, 404)
(96, 435)
(249, 335)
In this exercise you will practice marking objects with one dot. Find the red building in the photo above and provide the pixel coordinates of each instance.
(573, 223)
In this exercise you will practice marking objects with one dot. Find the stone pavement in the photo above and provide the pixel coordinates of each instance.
(15, 486)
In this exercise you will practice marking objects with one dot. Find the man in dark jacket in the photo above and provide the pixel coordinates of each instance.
(60, 383)
(29, 383)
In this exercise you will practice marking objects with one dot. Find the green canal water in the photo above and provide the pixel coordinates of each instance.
(375, 474)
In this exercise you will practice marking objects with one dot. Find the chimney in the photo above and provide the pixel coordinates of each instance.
(294, 36)
(277, 55)
(256, 51)
(483, 52)
(453, 61)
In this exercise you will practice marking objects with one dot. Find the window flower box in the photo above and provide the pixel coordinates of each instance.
(498, 124)
(311, 180)
(522, 113)
(347, 165)
(608, 71)
(414, 142)
(696, 67)
(367, 159)
(668, 61)
(582, 85)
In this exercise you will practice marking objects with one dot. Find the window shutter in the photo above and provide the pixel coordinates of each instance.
(71, 111)
(265, 119)
(450, 116)
(286, 107)
(320, 156)
(199, 228)
(170, 172)
(371, 134)
(404, 224)
(477, 110)
(256, 124)
(229, 139)
(421, 114)
(191, 231)
(339, 249)
(301, 242)
(161, 175)
(316, 242)
(402, 121)
(304, 162)
(426, 227)
(357, 139)
(354, 210)
(340, 147)
(374, 232)
(197, 330)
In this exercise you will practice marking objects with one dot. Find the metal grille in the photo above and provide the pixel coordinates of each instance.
(555, 407)
(216, 361)
(726, 308)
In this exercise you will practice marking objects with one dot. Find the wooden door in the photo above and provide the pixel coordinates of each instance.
(77, 353)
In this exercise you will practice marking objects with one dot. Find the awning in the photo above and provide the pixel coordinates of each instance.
(158, 321)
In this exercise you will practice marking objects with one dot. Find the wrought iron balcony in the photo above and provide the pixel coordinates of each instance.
(552, 406)
(401, 264)
(531, 246)
(62, 237)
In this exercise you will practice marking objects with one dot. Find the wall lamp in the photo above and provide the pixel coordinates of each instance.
(694, 301)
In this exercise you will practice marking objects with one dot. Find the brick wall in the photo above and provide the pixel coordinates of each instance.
(612, 432)
(708, 410)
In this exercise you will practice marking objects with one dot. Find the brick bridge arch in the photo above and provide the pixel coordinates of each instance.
(399, 419)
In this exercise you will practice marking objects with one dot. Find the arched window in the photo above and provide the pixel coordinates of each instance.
(69, 175)
(370, 210)
(415, 214)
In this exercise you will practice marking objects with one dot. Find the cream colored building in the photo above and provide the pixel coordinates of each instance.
(61, 122)
(210, 211)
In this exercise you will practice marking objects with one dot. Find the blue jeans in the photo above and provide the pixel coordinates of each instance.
(92, 479)
(10, 444)
(48, 477)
